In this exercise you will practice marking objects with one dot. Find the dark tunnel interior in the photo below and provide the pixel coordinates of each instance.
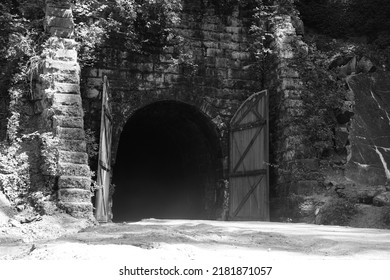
(166, 164)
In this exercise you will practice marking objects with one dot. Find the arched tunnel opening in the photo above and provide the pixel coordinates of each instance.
(167, 164)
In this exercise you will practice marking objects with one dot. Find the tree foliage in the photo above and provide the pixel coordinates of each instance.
(338, 18)
(21, 37)
(371, 19)
(136, 25)
(20, 28)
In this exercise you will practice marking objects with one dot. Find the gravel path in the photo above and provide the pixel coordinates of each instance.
(195, 240)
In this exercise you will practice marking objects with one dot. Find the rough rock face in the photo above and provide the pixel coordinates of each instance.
(355, 173)
(360, 194)
(382, 199)
(369, 158)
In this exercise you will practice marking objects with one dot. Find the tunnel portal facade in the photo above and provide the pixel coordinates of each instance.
(170, 115)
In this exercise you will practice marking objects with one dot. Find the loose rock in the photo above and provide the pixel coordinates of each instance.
(382, 199)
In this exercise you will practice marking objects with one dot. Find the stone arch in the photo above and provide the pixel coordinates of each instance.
(168, 164)
(125, 109)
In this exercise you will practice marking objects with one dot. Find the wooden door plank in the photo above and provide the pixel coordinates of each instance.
(244, 200)
(247, 149)
(245, 113)
(249, 173)
(248, 125)
(242, 111)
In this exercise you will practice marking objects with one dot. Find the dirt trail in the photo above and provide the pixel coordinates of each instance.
(194, 240)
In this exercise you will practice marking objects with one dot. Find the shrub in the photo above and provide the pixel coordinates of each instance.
(325, 16)
(337, 211)
(14, 172)
(339, 19)
(322, 94)
(137, 25)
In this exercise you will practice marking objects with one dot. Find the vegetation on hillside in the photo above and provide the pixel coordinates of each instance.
(137, 26)
(337, 29)
(21, 37)
(352, 18)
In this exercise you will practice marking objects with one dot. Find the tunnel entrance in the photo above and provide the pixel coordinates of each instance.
(167, 164)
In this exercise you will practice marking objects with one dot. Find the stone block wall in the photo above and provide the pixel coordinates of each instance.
(297, 172)
(57, 99)
(218, 78)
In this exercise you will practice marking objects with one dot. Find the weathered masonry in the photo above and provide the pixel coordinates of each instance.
(176, 140)
(172, 142)
(57, 100)
(170, 128)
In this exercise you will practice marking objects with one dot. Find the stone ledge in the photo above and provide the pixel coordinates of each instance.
(70, 122)
(74, 195)
(72, 145)
(70, 133)
(65, 55)
(62, 66)
(73, 157)
(62, 22)
(71, 78)
(74, 182)
(67, 99)
(73, 169)
(77, 209)
(68, 111)
(61, 32)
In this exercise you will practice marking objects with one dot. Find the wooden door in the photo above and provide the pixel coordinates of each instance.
(103, 211)
(248, 164)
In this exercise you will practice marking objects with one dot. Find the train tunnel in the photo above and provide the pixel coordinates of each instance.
(167, 164)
